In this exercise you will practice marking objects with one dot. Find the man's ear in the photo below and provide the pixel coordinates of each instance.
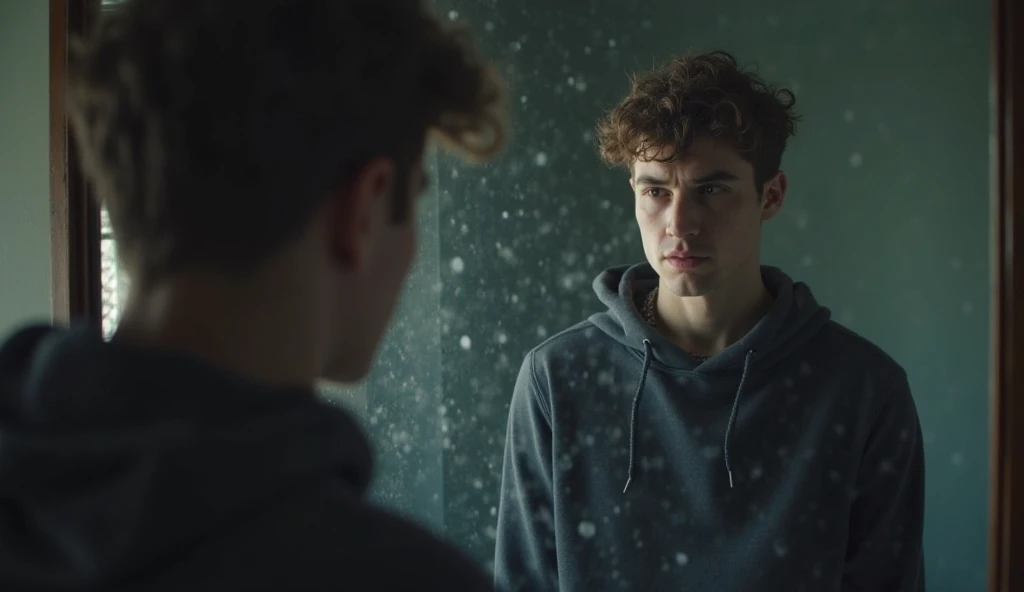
(773, 194)
(360, 210)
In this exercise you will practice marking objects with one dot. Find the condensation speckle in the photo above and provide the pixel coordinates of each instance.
(541, 159)
(848, 116)
(682, 559)
(465, 342)
(587, 529)
(856, 160)
(458, 265)
(781, 548)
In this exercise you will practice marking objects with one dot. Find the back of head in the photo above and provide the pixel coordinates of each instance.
(217, 132)
(700, 95)
(213, 129)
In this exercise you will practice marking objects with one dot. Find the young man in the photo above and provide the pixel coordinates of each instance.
(713, 429)
(260, 162)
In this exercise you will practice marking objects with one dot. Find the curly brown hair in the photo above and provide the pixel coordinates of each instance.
(213, 129)
(700, 95)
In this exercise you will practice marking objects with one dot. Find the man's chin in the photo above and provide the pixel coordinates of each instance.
(688, 285)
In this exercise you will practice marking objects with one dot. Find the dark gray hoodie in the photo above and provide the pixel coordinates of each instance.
(125, 469)
(790, 461)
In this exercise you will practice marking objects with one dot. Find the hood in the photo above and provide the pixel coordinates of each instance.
(792, 320)
(114, 457)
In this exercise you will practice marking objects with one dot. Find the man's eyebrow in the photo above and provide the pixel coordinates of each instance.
(703, 179)
(715, 176)
(650, 180)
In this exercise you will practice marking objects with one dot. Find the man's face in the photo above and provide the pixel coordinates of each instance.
(700, 216)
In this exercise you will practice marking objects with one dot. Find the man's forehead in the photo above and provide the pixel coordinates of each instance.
(701, 157)
(686, 164)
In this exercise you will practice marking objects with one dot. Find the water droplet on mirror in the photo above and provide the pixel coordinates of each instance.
(465, 342)
(682, 559)
(458, 265)
(781, 549)
(587, 530)
(856, 160)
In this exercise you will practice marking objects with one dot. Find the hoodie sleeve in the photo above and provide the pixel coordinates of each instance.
(884, 551)
(525, 551)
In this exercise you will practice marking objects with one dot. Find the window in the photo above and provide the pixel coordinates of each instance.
(113, 282)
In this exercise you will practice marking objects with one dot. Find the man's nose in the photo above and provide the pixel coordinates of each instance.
(683, 217)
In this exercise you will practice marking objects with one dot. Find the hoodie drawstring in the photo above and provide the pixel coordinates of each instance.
(733, 413)
(636, 407)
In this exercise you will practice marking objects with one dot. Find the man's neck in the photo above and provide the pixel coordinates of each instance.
(706, 325)
(245, 330)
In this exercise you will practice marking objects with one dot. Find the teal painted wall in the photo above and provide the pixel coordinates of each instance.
(24, 162)
(887, 219)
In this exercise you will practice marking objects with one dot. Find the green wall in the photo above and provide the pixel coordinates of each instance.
(24, 162)
(887, 220)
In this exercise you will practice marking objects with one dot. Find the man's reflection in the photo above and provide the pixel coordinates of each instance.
(713, 429)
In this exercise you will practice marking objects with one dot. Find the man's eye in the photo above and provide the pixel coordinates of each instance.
(656, 192)
(712, 189)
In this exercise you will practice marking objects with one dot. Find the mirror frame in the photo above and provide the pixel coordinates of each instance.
(1006, 506)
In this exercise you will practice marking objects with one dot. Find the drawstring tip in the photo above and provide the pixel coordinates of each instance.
(626, 488)
(730, 480)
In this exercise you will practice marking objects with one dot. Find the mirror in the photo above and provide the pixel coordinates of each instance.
(886, 219)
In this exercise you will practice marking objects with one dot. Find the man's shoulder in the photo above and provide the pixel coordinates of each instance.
(582, 336)
(325, 537)
(854, 350)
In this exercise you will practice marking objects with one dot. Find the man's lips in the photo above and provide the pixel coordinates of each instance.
(683, 260)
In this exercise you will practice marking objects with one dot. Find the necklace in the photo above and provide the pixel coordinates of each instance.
(649, 308)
